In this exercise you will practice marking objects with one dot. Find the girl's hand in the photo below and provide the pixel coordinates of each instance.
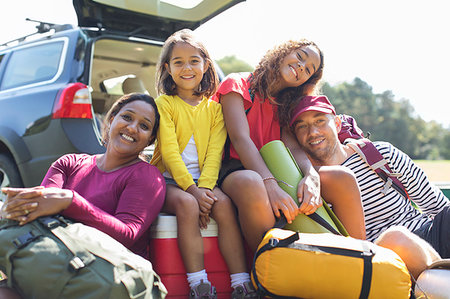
(26, 204)
(205, 198)
(204, 221)
(281, 201)
(308, 193)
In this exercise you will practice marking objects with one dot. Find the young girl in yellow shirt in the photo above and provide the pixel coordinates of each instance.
(189, 150)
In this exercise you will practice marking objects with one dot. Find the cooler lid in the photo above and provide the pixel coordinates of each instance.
(165, 227)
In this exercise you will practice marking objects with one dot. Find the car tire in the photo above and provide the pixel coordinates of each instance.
(9, 174)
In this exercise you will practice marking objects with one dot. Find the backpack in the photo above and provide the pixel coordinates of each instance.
(52, 257)
(353, 136)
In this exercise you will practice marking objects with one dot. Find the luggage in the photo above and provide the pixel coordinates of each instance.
(52, 257)
(282, 165)
(434, 282)
(323, 265)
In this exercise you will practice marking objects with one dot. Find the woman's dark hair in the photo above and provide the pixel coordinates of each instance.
(120, 103)
(165, 83)
(267, 74)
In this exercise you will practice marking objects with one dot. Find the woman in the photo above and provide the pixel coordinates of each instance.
(115, 192)
(250, 103)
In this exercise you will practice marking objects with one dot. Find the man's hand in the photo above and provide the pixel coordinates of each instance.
(308, 194)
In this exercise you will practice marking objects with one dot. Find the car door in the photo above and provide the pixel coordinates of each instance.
(150, 19)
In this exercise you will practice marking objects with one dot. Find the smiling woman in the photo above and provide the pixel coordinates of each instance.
(115, 192)
(130, 126)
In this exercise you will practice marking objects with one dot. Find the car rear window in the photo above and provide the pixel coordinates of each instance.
(32, 65)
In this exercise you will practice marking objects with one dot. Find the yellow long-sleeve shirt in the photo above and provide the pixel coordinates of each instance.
(179, 121)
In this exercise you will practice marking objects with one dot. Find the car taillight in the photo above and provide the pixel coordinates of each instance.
(73, 102)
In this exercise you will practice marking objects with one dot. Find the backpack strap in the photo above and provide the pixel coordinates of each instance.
(370, 154)
(282, 222)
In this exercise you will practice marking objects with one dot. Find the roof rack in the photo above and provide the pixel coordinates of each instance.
(42, 27)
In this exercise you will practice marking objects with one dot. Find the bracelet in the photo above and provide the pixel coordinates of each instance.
(270, 178)
(278, 181)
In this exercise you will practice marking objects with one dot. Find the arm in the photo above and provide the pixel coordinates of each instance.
(211, 164)
(239, 132)
(26, 204)
(132, 216)
(169, 147)
(427, 196)
(138, 206)
(214, 151)
(308, 190)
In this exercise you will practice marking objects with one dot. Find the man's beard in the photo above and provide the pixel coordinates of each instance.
(321, 156)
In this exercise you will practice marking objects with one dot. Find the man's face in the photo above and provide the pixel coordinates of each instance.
(316, 132)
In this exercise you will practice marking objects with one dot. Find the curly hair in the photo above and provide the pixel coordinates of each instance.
(165, 83)
(120, 103)
(267, 74)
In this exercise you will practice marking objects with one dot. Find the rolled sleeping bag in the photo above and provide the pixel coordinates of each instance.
(282, 165)
(289, 264)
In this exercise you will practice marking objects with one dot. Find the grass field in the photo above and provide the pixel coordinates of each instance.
(437, 171)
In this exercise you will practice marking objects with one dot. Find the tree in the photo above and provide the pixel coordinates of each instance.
(390, 120)
(231, 64)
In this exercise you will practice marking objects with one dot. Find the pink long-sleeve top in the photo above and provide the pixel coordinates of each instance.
(122, 203)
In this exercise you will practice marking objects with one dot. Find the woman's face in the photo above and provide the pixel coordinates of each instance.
(298, 66)
(131, 129)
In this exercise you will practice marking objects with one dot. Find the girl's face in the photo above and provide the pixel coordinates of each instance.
(186, 66)
(298, 66)
(131, 129)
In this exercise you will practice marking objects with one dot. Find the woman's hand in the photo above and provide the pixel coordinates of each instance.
(281, 201)
(26, 204)
(308, 193)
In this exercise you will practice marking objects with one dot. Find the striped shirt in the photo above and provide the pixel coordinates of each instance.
(383, 211)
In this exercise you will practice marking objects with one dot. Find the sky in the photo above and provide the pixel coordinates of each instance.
(397, 45)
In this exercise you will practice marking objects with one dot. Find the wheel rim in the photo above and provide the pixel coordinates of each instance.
(4, 182)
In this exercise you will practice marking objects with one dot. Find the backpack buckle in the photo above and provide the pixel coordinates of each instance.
(25, 239)
(76, 263)
(49, 222)
(386, 186)
(273, 242)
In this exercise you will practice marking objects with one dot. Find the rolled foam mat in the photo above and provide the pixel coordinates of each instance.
(282, 165)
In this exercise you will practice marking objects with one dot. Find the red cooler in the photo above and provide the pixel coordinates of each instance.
(166, 259)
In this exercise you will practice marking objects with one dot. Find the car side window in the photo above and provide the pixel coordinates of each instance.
(32, 65)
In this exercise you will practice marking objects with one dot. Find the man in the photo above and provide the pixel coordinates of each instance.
(389, 217)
